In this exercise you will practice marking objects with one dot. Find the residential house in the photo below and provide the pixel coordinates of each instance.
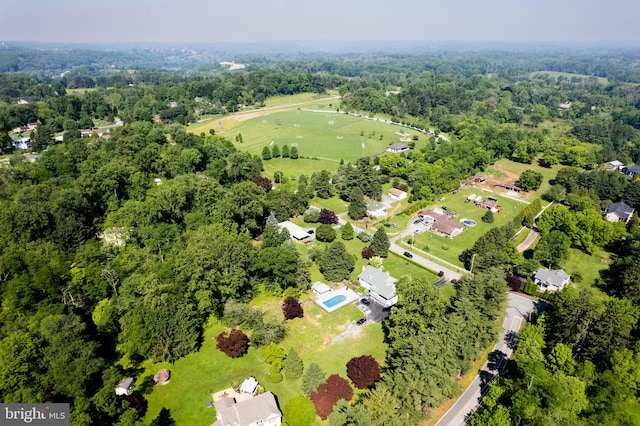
(618, 211)
(397, 194)
(447, 228)
(613, 165)
(297, 233)
(631, 171)
(382, 285)
(259, 410)
(551, 280)
(125, 385)
(376, 208)
(22, 143)
(398, 147)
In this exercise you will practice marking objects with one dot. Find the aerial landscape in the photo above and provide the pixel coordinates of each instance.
(356, 213)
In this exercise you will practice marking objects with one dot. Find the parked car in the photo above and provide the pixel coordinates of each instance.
(407, 254)
(361, 321)
(387, 225)
(393, 224)
(365, 302)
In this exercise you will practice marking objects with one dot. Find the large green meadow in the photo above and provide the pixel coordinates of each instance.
(327, 134)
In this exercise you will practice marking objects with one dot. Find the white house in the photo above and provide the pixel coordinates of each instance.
(22, 143)
(397, 194)
(259, 410)
(618, 211)
(551, 280)
(613, 165)
(297, 233)
(125, 385)
(381, 285)
(376, 209)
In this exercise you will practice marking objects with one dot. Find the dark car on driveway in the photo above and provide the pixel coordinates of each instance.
(361, 321)
(365, 302)
(407, 254)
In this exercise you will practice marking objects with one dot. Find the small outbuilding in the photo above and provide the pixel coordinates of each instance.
(125, 385)
(397, 194)
(320, 288)
(398, 147)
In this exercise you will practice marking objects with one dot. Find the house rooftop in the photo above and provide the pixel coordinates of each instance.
(295, 231)
(398, 146)
(249, 385)
(620, 209)
(446, 226)
(381, 282)
(259, 409)
(555, 277)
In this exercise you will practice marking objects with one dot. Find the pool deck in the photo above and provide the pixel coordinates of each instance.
(350, 295)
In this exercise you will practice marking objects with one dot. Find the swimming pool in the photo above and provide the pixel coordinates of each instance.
(468, 222)
(334, 301)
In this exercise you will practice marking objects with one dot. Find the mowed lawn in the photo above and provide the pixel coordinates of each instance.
(449, 249)
(195, 377)
(315, 134)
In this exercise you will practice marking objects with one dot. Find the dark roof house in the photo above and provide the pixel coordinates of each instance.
(631, 171)
(398, 147)
(618, 211)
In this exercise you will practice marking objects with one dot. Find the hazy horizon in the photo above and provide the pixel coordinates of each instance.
(199, 21)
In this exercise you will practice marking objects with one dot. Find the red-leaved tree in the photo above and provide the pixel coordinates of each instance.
(291, 308)
(262, 181)
(328, 217)
(234, 346)
(367, 253)
(328, 393)
(363, 371)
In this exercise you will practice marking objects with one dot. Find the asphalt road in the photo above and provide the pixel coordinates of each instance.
(531, 237)
(518, 311)
(448, 273)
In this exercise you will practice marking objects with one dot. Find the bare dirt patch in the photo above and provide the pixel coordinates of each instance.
(247, 116)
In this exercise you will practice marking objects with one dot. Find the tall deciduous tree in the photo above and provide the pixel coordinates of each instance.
(363, 371)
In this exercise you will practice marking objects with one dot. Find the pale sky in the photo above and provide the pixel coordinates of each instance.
(278, 20)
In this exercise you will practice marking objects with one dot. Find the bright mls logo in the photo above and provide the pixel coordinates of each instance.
(38, 414)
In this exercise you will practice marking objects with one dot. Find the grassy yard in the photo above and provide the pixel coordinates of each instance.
(449, 249)
(513, 170)
(589, 267)
(195, 377)
(556, 74)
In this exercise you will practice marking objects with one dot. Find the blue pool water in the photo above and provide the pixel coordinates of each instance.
(330, 303)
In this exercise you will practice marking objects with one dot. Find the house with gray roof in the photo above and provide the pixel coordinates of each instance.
(618, 211)
(381, 285)
(398, 147)
(551, 280)
(296, 232)
(631, 171)
(260, 410)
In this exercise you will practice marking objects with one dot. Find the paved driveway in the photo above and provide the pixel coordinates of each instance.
(518, 311)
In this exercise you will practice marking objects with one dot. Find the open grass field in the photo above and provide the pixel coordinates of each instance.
(556, 74)
(315, 134)
(449, 249)
(195, 377)
(589, 267)
(512, 170)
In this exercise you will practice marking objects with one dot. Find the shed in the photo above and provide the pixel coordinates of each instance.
(125, 385)
(320, 288)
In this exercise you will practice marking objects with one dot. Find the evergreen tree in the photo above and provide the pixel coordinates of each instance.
(285, 151)
(488, 217)
(293, 365)
(325, 233)
(347, 231)
(357, 206)
(313, 377)
(322, 185)
(336, 264)
(275, 151)
(380, 243)
(266, 153)
(293, 153)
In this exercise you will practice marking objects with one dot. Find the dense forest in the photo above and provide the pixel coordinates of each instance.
(115, 251)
